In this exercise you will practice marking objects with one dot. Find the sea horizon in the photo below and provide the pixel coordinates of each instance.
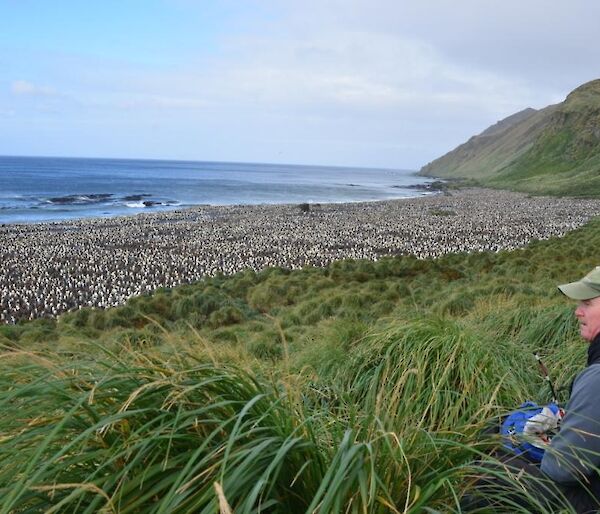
(37, 189)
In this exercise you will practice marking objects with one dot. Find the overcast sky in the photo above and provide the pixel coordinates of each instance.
(374, 83)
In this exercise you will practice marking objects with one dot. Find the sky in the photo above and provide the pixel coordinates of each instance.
(372, 83)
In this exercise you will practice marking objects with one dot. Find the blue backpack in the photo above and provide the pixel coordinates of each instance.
(514, 425)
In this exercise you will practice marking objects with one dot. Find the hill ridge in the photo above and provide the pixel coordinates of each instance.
(554, 150)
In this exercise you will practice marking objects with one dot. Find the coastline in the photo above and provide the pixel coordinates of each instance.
(38, 190)
(140, 207)
(49, 268)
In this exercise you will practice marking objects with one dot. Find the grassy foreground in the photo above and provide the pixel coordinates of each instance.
(361, 387)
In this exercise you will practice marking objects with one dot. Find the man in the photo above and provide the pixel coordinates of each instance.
(569, 471)
(573, 459)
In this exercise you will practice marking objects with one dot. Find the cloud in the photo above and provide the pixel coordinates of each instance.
(345, 56)
(354, 70)
(333, 70)
(23, 87)
(536, 39)
(161, 102)
(523, 54)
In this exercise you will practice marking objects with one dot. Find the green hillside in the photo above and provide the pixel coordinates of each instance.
(555, 150)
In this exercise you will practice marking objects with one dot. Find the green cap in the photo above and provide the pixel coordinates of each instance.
(586, 288)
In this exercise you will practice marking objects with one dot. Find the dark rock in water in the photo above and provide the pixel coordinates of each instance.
(62, 200)
(135, 198)
(80, 199)
(150, 203)
(436, 185)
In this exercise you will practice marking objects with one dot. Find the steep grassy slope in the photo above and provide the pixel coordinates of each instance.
(555, 150)
(486, 154)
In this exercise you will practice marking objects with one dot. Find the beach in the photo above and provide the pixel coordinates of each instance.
(49, 268)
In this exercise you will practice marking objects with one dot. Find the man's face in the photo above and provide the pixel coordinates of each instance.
(588, 314)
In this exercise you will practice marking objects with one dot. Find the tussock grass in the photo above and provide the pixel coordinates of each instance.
(433, 374)
(141, 433)
(154, 431)
(135, 433)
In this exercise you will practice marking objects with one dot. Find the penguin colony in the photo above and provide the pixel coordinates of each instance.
(49, 268)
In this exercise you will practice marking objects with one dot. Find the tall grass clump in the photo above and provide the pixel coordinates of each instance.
(421, 391)
(433, 373)
(394, 430)
(141, 435)
(550, 328)
(145, 434)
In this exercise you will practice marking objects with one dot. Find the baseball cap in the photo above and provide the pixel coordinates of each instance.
(586, 288)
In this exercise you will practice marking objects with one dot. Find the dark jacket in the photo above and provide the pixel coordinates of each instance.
(574, 453)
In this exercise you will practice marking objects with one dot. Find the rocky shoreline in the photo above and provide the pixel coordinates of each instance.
(49, 268)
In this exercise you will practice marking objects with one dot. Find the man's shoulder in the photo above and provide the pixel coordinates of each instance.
(590, 375)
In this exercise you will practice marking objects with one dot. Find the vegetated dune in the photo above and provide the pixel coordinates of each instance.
(358, 387)
(555, 150)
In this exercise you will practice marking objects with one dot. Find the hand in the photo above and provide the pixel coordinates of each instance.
(546, 421)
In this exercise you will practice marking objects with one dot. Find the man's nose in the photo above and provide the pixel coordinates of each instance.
(579, 311)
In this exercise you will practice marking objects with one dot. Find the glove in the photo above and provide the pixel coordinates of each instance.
(540, 427)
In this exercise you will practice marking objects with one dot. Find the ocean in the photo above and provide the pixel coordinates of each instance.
(37, 189)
